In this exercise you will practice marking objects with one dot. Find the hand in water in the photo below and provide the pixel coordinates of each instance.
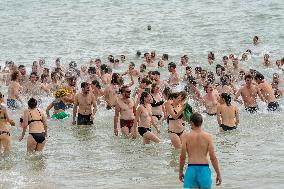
(116, 132)
(181, 177)
(218, 180)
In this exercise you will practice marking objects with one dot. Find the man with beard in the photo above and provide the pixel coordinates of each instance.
(125, 108)
(86, 106)
(23, 79)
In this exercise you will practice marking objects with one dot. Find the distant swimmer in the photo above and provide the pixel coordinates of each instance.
(149, 27)
(86, 106)
(255, 40)
(197, 144)
(227, 113)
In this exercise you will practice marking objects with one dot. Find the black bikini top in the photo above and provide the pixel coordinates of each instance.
(34, 120)
(155, 103)
(171, 118)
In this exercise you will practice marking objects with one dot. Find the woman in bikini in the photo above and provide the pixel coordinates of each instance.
(157, 105)
(143, 118)
(59, 105)
(5, 136)
(174, 109)
(36, 121)
(227, 113)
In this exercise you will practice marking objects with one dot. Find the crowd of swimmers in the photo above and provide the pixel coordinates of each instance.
(142, 105)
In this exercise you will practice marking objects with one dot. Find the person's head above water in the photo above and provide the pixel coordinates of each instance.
(226, 98)
(196, 120)
(258, 77)
(32, 103)
(255, 40)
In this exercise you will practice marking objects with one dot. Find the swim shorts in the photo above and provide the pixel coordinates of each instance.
(227, 128)
(84, 119)
(197, 176)
(126, 123)
(273, 106)
(12, 104)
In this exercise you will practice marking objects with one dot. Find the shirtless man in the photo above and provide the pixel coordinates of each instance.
(131, 70)
(267, 92)
(23, 75)
(249, 93)
(34, 87)
(14, 91)
(197, 144)
(86, 106)
(111, 91)
(125, 108)
(174, 77)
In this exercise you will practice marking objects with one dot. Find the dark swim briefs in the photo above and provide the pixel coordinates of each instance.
(273, 106)
(252, 110)
(84, 119)
(227, 128)
(126, 123)
(143, 130)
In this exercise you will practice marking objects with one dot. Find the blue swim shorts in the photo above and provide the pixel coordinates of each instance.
(197, 176)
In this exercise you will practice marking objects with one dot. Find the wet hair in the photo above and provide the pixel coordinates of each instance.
(223, 79)
(14, 75)
(123, 88)
(1, 95)
(35, 74)
(172, 65)
(104, 68)
(138, 53)
(225, 57)
(188, 68)
(21, 66)
(165, 57)
(282, 60)
(167, 91)
(156, 73)
(248, 50)
(43, 76)
(132, 64)
(147, 81)
(206, 86)
(143, 96)
(97, 84)
(227, 98)
(115, 78)
(219, 66)
(211, 55)
(196, 119)
(191, 80)
(153, 87)
(256, 37)
(32, 103)
(84, 84)
(92, 70)
(52, 75)
(248, 76)
(143, 67)
(259, 76)
(174, 95)
(183, 94)
(72, 64)
(198, 69)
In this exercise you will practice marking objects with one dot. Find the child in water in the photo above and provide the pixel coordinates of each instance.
(59, 105)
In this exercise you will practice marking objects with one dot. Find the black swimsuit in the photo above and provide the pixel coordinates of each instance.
(38, 137)
(170, 118)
